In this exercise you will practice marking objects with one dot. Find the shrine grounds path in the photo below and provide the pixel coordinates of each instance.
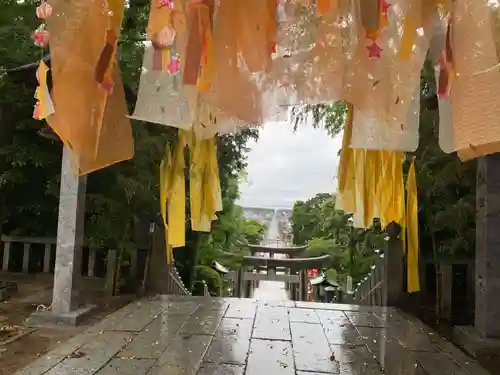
(172, 335)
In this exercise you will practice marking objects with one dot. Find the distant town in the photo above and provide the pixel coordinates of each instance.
(265, 217)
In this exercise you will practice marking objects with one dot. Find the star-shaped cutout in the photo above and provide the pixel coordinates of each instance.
(374, 50)
(385, 6)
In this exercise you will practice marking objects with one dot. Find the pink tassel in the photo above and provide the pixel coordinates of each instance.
(41, 36)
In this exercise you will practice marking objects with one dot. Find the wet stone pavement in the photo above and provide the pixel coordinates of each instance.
(170, 335)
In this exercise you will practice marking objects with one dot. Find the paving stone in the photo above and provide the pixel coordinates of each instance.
(397, 361)
(205, 320)
(231, 343)
(220, 369)
(271, 323)
(41, 365)
(303, 315)
(342, 307)
(333, 317)
(270, 357)
(214, 303)
(242, 310)
(438, 364)
(92, 356)
(354, 360)
(199, 335)
(377, 339)
(183, 356)
(137, 319)
(364, 319)
(185, 308)
(338, 328)
(276, 303)
(311, 351)
(119, 366)
(154, 339)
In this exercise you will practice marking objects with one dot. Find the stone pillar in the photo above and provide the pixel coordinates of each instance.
(67, 272)
(238, 282)
(487, 315)
(69, 237)
(446, 290)
(291, 291)
(393, 266)
(248, 288)
(303, 285)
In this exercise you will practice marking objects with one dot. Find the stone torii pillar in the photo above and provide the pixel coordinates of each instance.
(486, 331)
(65, 308)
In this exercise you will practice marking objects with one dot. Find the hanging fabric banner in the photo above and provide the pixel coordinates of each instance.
(412, 231)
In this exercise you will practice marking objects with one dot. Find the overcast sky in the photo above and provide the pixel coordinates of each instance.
(284, 166)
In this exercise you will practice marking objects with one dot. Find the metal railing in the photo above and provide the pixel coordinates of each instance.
(372, 289)
(175, 285)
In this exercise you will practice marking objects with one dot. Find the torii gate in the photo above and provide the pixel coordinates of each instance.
(295, 264)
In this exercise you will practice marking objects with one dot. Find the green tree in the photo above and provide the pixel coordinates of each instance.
(327, 230)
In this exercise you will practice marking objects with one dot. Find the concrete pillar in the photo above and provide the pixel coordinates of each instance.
(487, 316)
(69, 237)
(394, 265)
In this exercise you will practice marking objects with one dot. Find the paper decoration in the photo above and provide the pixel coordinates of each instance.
(475, 90)
(374, 50)
(89, 120)
(161, 98)
(44, 106)
(44, 10)
(412, 231)
(370, 133)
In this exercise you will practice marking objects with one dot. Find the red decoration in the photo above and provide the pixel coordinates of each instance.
(41, 36)
(385, 6)
(168, 3)
(374, 50)
(174, 66)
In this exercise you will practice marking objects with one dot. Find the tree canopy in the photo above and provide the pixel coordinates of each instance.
(326, 230)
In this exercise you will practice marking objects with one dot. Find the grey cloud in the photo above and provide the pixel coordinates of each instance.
(285, 166)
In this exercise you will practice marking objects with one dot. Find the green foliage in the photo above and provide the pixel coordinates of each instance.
(211, 277)
(447, 188)
(253, 231)
(328, 231)
(330, 116)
